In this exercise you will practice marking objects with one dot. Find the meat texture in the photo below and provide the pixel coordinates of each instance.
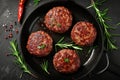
(58, 19)
(39, 44)
(83, 33)
(66, 61)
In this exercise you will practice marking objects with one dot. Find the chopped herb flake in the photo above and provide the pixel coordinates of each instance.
(42, 46)
(58, 25)
(66, 60)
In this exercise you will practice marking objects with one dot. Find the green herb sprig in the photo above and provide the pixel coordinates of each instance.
(97, 3)
(102, 17)
(44, 66)
(19, 59)
(36, 2)
(62, 44)
(118, 24)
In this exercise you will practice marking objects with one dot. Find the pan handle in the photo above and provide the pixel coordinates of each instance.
(93, 74)
(106, 67)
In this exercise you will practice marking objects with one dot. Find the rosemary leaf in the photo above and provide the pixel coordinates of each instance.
(77, 47)
(61, 40)
(116, 35)
(44, 66)
(36, 2)
(97, 3)
(91, 48)
(102, 17)
(19, 59)
(62, 45)
(111, 45)
(118, 24)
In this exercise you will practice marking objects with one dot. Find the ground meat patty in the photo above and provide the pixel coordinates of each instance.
(66, 61)
(58, 19)
(39, 44)
(83, 33)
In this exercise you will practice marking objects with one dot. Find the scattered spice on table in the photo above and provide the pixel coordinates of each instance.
(17, 31)
(10, 30)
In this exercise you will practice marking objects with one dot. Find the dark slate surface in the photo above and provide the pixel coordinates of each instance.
(8, 15)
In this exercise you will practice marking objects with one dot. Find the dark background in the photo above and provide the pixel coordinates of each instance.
(8, 16)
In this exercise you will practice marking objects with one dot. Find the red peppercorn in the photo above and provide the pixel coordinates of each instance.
(17, 31)
(10, 35)
(6, 37)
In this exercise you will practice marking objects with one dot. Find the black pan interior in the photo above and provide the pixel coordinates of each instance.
(34, 22)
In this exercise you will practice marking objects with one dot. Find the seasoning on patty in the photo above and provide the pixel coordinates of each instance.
(39, 44)
(58, 19)
(83, 33)
(66, 61)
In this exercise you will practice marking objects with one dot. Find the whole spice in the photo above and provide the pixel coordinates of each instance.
(9, 30)
(10, 35)
(5, 37)
(20, 9)
(17, 31)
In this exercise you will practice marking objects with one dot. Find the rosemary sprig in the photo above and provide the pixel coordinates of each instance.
(19, 59)
(97, 3)
(118, 24)
(62, 44)
(91, 48)
(102, 17)
(36, 2)
(44, 66)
